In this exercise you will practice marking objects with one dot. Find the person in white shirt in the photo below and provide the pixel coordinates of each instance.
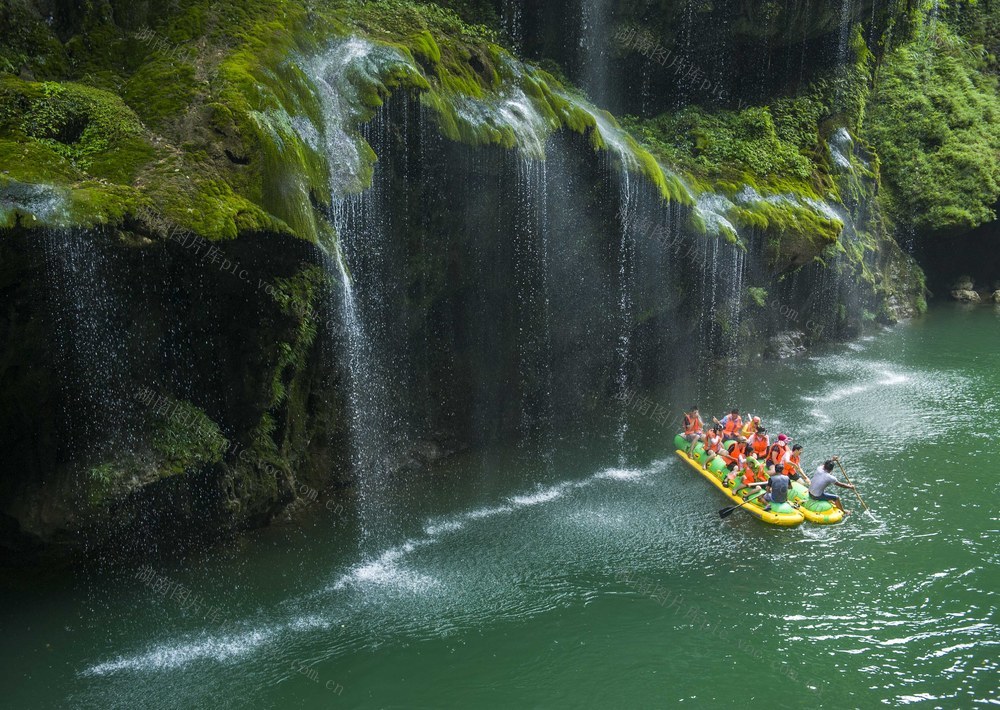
(822, 479)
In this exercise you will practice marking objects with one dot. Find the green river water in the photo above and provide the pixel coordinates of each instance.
(583, 581)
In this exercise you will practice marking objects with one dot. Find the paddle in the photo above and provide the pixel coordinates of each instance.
(862, 500)
(726, 512)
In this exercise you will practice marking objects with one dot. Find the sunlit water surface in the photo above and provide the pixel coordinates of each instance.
(506, 581)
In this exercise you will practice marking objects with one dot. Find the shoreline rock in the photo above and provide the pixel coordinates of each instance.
(966, 296)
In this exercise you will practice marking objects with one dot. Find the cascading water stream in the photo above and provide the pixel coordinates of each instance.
(94, 357)
(360, 258)
(593, 47)
(737, 276)
(625, 257)
(531, 266)
(512, 20)
(542, 207)
(366, 409)
(843, 43)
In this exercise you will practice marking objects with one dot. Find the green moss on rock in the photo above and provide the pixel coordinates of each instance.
(936, 126)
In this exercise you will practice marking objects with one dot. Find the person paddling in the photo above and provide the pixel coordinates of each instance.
(793, 464)
(777, 487)
(822, 479)
(692, 428)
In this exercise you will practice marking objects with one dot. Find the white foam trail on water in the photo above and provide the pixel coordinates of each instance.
(621, 474)
(888, 379)
(543, 496)
(384, 571)
(435, 529)
(482, 513)
(167, 657)
(894, 378)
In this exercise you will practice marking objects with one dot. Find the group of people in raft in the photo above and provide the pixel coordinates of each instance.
(753, 460)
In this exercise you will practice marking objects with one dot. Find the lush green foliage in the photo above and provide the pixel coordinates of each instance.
(187, 438)
(727, 145)
(759, 295)
(936, 125)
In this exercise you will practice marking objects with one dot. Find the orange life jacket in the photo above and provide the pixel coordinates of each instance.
(795, 459)
(732, 426)
(751, 476)
(759, 445)
(776, 452)
(735, 451)
(692, 425)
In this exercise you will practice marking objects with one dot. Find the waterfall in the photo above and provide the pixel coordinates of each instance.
(93, 357)
(531, 254)
(734, 297)
(593, 47)
(542, 207)
(625, 257)
(358, 262)
(512, 21)
(845, 32)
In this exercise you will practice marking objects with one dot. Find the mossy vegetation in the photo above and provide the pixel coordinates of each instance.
(179, 438)
(758, 295)
(198, 115)
(186, 439)
(935, 123)
(773, 162)
(776, 151)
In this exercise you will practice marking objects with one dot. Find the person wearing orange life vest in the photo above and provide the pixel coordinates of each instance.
(735, 458)
(735, 454)
(759, 444)
(793, 464)
(692, 428)
(753, 474)
(712, 441)
(731, 424)
(751, 427)
(776, 452)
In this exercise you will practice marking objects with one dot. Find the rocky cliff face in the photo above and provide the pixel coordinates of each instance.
(216, 303)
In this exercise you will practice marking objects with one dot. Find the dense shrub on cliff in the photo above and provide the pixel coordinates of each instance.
(935, 122)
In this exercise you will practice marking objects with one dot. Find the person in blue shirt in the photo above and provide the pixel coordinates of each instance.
(777, 487)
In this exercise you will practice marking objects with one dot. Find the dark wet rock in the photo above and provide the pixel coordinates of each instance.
(787, 344)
